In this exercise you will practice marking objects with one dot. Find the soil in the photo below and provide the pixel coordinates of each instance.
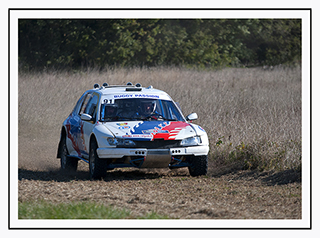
(173, 193)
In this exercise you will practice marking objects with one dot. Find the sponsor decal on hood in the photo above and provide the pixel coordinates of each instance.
(150, 130)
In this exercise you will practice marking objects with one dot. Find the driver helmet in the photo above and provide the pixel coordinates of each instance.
(148, 106)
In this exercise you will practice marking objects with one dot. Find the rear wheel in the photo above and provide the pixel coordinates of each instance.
(97, 166)
(68, 164)
(198, 165)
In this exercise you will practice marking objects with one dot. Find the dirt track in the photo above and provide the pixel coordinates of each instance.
(239, 195)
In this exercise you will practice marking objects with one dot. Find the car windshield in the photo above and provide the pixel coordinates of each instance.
(139, 109)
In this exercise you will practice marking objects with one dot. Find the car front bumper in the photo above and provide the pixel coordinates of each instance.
(153, 158)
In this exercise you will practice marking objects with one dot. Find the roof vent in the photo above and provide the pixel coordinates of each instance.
(129, 84)
(138, 85)
(133, 89)
(96, 85)
(105, 85)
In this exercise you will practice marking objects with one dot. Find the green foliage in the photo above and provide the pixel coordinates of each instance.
(150, 42)
(79, 210)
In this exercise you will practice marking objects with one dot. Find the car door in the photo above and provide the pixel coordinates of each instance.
(89, 108)
(73, 127)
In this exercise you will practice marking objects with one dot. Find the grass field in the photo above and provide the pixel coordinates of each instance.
(253, 120)
(252, 116)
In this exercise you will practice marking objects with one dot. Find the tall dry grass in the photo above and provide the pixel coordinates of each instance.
(252, 116)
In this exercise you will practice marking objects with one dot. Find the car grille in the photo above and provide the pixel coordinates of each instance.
(157, 144)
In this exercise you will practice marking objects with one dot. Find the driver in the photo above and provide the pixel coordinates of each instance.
(148, 108)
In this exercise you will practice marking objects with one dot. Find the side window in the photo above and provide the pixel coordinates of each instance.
(79, 104)
(85, 103)
(91, 106)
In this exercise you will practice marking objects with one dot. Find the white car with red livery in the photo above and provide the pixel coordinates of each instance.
(131, 126)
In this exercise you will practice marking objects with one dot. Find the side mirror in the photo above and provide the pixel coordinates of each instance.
(192, 117)
(86, 117)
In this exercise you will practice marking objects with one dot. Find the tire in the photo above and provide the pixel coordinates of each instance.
(67, 164)
(97, 166)
(198, 165)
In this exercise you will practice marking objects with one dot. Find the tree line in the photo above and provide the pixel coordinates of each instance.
(204, 43)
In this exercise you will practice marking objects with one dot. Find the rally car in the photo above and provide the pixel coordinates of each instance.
(131, 126)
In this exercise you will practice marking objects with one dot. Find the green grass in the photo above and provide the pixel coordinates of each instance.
(77, 210)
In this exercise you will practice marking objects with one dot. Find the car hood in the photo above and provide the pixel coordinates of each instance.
(150, 130)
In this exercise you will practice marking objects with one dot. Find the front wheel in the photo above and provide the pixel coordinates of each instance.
(68, 164)
(198, 165)
(97, 166)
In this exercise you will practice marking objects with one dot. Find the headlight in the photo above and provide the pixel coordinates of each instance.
(191, 141)
(120, 142)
